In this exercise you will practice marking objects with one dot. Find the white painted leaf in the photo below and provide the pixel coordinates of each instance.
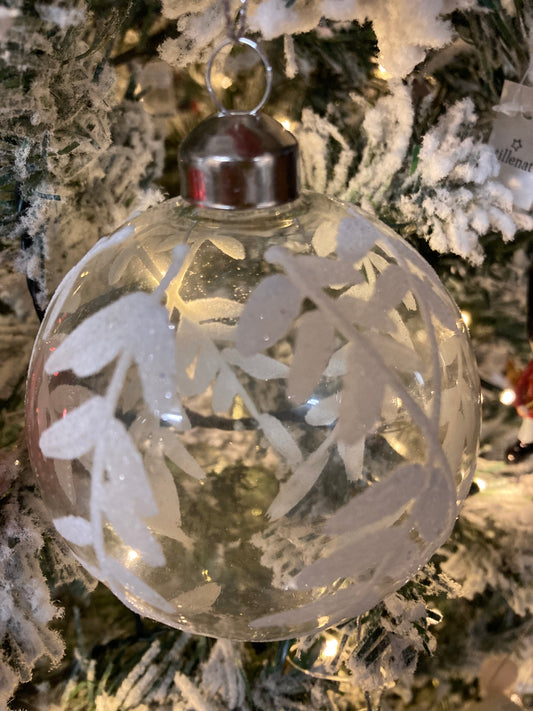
(322, 271)
(212, 309)
(198, 600)
(76, 433)
(443, 309)
(352, 455)
(325, 412)
(362, 396)
(126, 497)
(280, 439)
(224, 390)
(396, 355)
(337, 365)
(121, 327)
(356, 236)
(325, 238)
(315, 342)
(229, 245)
(63, 472)
(391, 287)
(167, 521)
(379, 501)
(356, 559)
(121, 262)
(258, 366)
(341, 605)
(197, 359)
(268, 315)
(127, 482)
(454, 440)
(435, 510)
(114, 571)
(359, 312)
(134, 533)
(178, 453)
(301, 481)
(75, 529)
(64, 290)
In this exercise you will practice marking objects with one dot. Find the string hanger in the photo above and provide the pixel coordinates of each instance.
(235, 31)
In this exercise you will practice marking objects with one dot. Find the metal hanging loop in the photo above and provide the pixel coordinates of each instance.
(268, 74)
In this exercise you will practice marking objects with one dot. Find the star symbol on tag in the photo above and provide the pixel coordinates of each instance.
(516, 144)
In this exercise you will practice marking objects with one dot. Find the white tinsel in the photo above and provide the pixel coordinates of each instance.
(400, 51)
(453, 196)
(26, 609)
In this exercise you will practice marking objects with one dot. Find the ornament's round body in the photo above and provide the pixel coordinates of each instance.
(253, 424)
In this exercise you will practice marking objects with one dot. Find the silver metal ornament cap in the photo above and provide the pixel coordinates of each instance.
(239, 160)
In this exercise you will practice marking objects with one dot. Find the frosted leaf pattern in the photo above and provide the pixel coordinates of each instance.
(253, 425)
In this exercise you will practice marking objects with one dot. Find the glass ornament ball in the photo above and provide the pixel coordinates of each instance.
(253, 424)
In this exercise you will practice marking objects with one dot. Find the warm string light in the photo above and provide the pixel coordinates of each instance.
(330, 649)
(507, 396)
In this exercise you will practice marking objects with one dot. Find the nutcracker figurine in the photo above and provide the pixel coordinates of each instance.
(523, 446)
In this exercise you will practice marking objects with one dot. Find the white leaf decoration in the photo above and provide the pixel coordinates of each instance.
(301, 481)
(337, 365)
(391, 287)
(198, 600)
(212, 309)
(325, 412)
(128, 483)
(135, 587)
(342, 604)
(176, 451)
(356, 236)
(325, 238)
(362, 396)
(258, 366)
(63, 470)
(268, 315)
(281, 439)
(197, 359)
(315, 340)
(352, 561)
(115, 329)
(167, 521)
(352, 455)
(75, 529)
(379, 500)
(65, 288)
(229, 245)
(395, 354)
(435, 510)
(366, 313)
(328, 272)
(76, 433)
(224, 390)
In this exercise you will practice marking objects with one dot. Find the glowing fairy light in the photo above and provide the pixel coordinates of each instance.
(330, 649)
(132, 555)
(507, 396)
(482, 485)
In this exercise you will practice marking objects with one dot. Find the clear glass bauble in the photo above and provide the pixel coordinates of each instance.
(253, 424)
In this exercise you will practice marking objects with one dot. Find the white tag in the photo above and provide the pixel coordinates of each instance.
(512, 138)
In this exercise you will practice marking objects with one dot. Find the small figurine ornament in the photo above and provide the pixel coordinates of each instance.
(523, 446)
